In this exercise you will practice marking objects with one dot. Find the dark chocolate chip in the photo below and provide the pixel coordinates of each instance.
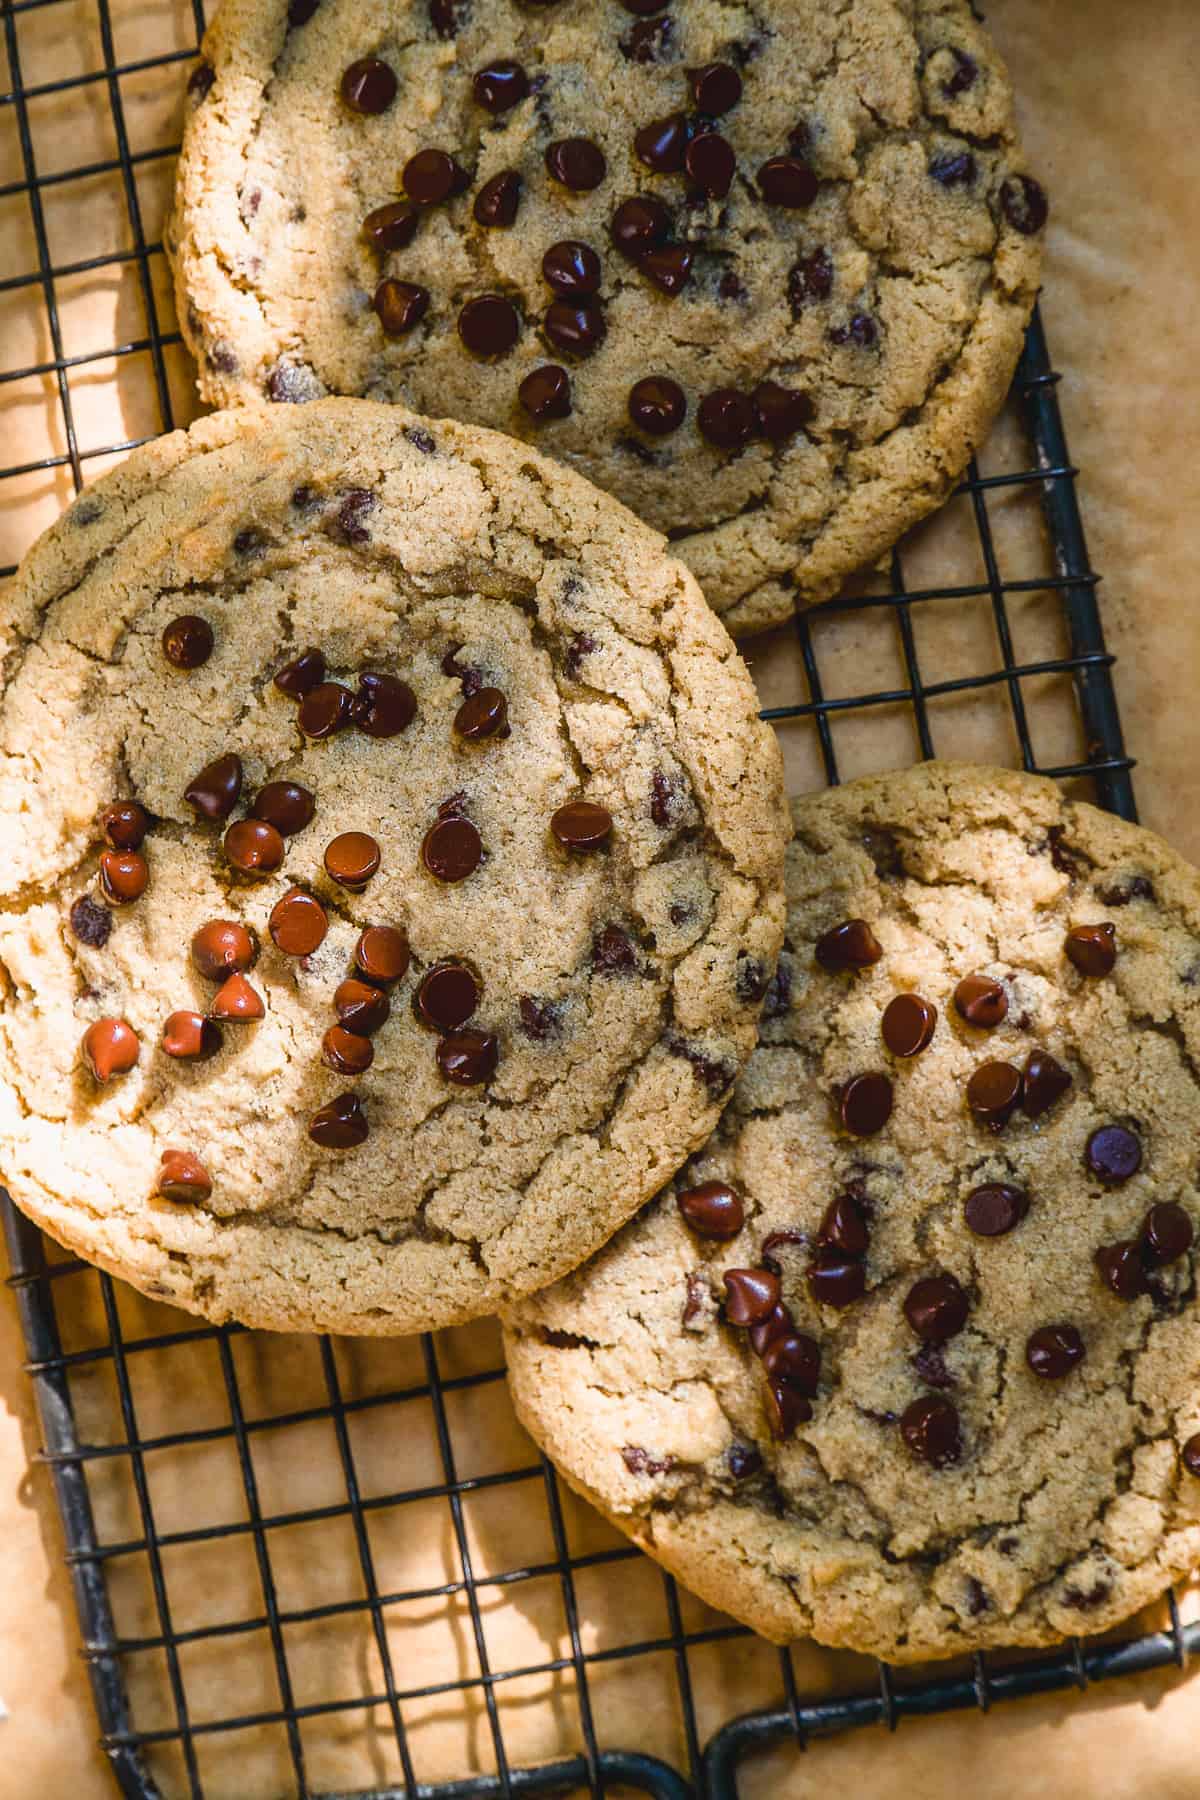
(500, 85)
(1025, 204)
(340, 1125)
(221, 948)
(482, 715)
(391, 227)
(657, 405)
(253, 846)
(995, 1208)
(743, 1460)
(930, 1427)
(794, 1357)
(964, 74)
(850, 945)
(343, 1051)
(954, 168)
(712, 1072)
(1121, 893)
(865, 1104)
(936, 1307)
(727, 418)
(929, 1363)
(669, 267)
(576, 330)
(844, 1227)
(810, 280)
(648, 41)
(1045, 1082)
(777, 1001)
(249, 544)
(613, 951)
(581, 826)
(908, 1024)
(750, 979)
(182, 1177)
(187, 642)
(981, 1001)
(716, 87)
(710, 164)
(572, 269)
(452, 849)
(360, 1006)
(1053, 1351)
(994, 1093)
(581, 646)
(351, 859)
(540, 1019)
(787, 181)
(577, 162)
(191, 1036)
(777, 1323)
(420, 439)
(110, 1048)
(213, 793)
(1092, 949)
(1114, 1154)
(384, 705)
(750, 1294)
(860, 330)
(712, 1210)
(327, 709)
(200, 80)
(91, 922)
(639, 225)
(545, 393)
(787, 1407)
(381, 953)
(285, 805)
(125, 824)
(298, 923)
(781, 411)
(400, 305)
(236, 1002)
(662, 143)
(1190, 1455)
(369, 85)
(498, 199)
(468, 1058)
(433, 176)
(300, 677)
(446, 16)
(1167, 1232)
(447, 995)
(836, 1280)
(1121, 1268)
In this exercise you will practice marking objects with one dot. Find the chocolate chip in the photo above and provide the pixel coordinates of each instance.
(953, 169)
(981, 1001)
(994, 1093)
(200, 80)
(810, 280)
(420, 439)
(865, 1104)
(351, 859)
(716, 87)
(221, 947)
(662, 143)
(381, 953)
(110, 1047)
(844, 1227)
(1092, 949)
(750, 1294)
(482, 715)
(1121, 1268)
(250, 543)
(936, 1307)
(669, 267)
(91, 922)
(253, 846)
(777, 1001)
(908, 1024)
(710, 164)
(545, 393)
(182, 1177)
(391, 227)
(786, 1408)
(400, 305)
(712, 1210)
(431, 177)
(1123, 892)
(781, 411)
(187, 642)
(639, 225)
(191, 1036)
(285, 805)
(347, 1054)
(577, 163)
(995, 1208)
(329, 708)
(237, 1003)
(836, 1280)
(1190, 1455)
(860, 330)
(572, 269)
(489, 325)
(777, 1323)
(384, 705)
(125, 824)
(657, 405)
(361, 1007)
(964, 74)
(540, 1019)
(350, 522)
(930, 1364)
(447, 996)
(643, 7)
(581, 646)
(742, 1461)
(1167, 1232)
(1053, 1351)
(500, 86)
(1045, 1082)
(468, 1058)
(213, 793)
(850, 945)
(1025, 204)
(576, 330)
(301, 676)
(339, 1125)
(1113, 1154)
(369, 85)
(930, 1427)
(452, 849)
(750, 979)
(794, 1358)
(613, 951)
(298, 923)
(787, 181)
(498, 199)
(446, 16)
(123, 876)
(581, 826)
(727, 418)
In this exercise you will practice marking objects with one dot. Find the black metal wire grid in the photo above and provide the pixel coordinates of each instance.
(36, 1277)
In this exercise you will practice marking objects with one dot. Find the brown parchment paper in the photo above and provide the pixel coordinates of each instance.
(1108, 91)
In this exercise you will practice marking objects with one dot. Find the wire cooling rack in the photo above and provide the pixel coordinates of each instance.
(1000, 628)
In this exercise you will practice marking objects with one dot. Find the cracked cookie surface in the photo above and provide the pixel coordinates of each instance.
(535, 761)
(986, 1423)
(807, 227)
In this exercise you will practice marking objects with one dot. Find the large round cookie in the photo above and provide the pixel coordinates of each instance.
(807, 227)
(977, 1419)
(536, 782)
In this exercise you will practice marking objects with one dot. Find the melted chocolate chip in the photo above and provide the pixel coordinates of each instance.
(836, 1280)
(995, 1208)
(182, 1177)
(187, 642)
(452, 849)
(285, 805)
(298, 923)
(347, 1054)
(360, 1007)
(253, 847)
(865, 1104)
(382, 953)
(446, 16)
(581, 826)
(340, 1125)
(327, 709)
(1045, 1082)
(1092, 949)
(498, 199)
(936, 1307)
(930, 1427)
(1121, 1268)
(221, 947)
(981, 1001)
(1167, 1233)
(110, 1048)
(545, 393)
(1053, 1351)
(994, 1093)
(300, 677)
(1121, 893)
(400, 306)
(714, 1074)
(91, 922)
(750, 1294)
(420, 439)
(1114, 1154)
(657, 405)
(577, 162)
(781, 411)
(189, 1035)
(710, 164)
(489, 325)
(213, 793)
(369, 86)
(662, 143)
(391, 227)
(844, 1227)
(500, 85)
(236, 1002)
(351, 859)
(850, 945)
(669, 267)
(575, 329)
(613, 951)
(930, 1364)
(384, 705)
(860, 330)
(964, 74)
(810, 280)
(787, 181)
(350, 521)
(468, 1058)
(540, 1019)
(712, 1210)
(954, 168)
(716, 87)
(1024, 204)
(572, 269)
(908, 1024)
(727, 418)
(639, 225)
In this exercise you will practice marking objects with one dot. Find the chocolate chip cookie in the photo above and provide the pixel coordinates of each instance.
(392, 870)
(908, 1357)
(760, 272)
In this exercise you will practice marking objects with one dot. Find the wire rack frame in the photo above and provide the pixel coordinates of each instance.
(712, 1767)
